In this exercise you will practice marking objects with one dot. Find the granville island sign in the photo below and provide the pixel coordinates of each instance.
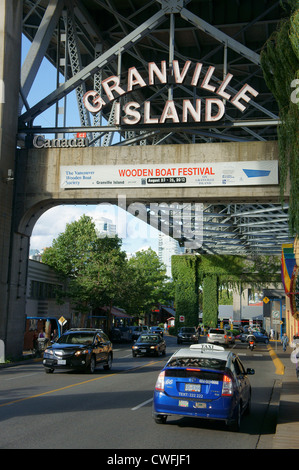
(199, 110)
(209, 109)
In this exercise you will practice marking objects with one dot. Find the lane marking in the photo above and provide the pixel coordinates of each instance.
(22, 376)
(75, 385)
(142, 404)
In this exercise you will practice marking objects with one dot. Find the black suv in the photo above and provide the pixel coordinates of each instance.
(188, 334)
(79, 348)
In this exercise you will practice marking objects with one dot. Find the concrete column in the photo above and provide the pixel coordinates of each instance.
(10, 58)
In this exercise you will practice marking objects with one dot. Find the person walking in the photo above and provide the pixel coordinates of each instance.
(285, 341)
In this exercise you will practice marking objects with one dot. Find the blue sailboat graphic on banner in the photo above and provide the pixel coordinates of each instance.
(256, 173)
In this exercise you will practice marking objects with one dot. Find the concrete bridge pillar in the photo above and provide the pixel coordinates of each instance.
(10, 60)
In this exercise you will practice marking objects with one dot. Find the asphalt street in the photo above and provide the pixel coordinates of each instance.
(112, 409)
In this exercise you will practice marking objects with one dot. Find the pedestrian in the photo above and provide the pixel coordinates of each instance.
(54, 335)
(285, 341)
(271, 333)
(35, 336)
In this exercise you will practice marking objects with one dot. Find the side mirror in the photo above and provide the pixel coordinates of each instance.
(250, 372)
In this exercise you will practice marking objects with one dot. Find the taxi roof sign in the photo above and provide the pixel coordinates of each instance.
(207, 347)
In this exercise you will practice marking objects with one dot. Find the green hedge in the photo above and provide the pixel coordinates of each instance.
(210, 271)
(210, 301)
(184, 273)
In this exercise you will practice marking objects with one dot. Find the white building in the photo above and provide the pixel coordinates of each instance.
(105, 227)
(167, 247)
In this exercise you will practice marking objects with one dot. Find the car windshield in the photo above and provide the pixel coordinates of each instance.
(76, 338)
(148, 338)
(188, 330)
(204, 362)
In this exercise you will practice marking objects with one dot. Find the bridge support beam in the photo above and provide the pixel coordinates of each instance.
(10, 57)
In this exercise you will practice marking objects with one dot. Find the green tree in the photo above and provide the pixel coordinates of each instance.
(148, 282)
(96, 267)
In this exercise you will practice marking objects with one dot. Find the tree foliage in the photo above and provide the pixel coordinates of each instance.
(149, 282)
(95, 267)
(280, 64)
(99, 273)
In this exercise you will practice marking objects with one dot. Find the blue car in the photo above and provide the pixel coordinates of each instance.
(204, 381)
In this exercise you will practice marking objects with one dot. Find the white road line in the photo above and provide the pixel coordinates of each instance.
(22, 376)
(142, 404)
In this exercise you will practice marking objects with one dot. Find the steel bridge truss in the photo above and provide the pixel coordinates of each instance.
(90, 40)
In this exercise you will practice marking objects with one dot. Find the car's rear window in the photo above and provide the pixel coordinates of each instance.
(217, 331)
(202, 362)
(198, 373)
(188, 330)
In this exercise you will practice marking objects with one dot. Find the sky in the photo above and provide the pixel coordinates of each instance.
(136, 236)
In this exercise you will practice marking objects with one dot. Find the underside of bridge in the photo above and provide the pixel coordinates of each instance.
(88, 41)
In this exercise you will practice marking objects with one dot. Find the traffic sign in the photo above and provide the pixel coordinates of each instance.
(266, 300)
(182, 318)
(62, 321)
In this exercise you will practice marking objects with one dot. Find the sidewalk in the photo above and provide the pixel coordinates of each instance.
(287, 429)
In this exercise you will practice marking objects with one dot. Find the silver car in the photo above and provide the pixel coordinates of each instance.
(217, 336)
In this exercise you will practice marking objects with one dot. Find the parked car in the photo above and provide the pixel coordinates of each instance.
(135, 331)
(79, 348)
(217, 336)
(259, 337)
(149, 344)
(230, 337)
(204, 381)
(187, 334)
(126, 334)
(157, 329)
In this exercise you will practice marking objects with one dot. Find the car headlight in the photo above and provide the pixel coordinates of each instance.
(81, 351)
(153, 347)
(49, 351)
(134, 347)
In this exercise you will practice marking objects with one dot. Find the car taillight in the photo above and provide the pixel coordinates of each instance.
(227, 386)
(160, 382)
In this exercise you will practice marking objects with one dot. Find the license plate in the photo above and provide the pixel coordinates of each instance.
(61, 362)
(143, 350)
(192, 387)
(199, 405)
(183, 403)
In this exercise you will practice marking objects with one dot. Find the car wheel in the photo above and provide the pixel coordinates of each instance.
(164, 352)
(49, 371)
(108, 366)
(134, 354)
(92, 365)
(248, 407)
(160, 419)
(236, 424)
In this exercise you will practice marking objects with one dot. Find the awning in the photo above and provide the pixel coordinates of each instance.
(116, 312)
